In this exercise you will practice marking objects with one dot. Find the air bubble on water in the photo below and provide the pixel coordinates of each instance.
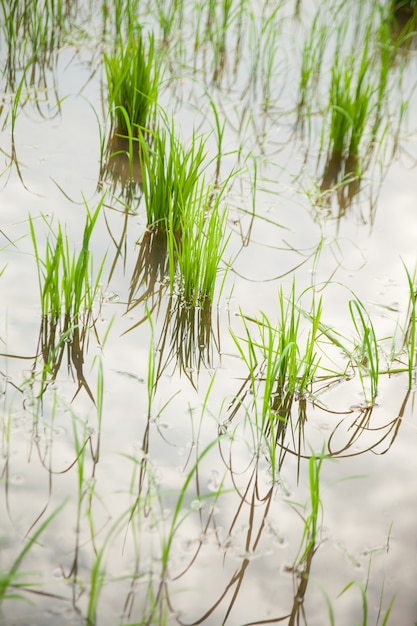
(17, 479)
(213, 483)
(57, 573)
(59, 431)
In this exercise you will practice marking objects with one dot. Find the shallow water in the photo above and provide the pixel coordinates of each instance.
(187, 468)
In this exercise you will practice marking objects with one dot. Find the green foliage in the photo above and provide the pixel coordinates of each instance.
(171, 177)
(366, 353)
(133, 77)
(282, 367)
(200, 249)
(179, 202)
(67, 293)
(410, 336)
(12, 581)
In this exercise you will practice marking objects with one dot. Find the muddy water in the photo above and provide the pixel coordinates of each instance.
(138, 476)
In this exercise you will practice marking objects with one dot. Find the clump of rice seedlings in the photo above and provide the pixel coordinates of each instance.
(170, 178)
(282, 369)
(213, 23)
(68, 293)
(357, 94)
(133, 75)
(349, 102)
(310, 70)
(169, 15)
(264, 45)
(199, 251)
(33, 32)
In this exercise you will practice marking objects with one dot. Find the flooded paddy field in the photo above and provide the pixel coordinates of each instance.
(208, 338)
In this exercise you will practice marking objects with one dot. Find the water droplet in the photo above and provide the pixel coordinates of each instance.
(213, 483)
(17, 479)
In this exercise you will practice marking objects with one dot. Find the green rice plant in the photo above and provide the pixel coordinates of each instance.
(180, 513)
(282, 368)
(357, 95)
(200, 249)
(170, 178)
(133, 76)
(12, 581)
(350, 98)
(68, 294)
(366, 353)
(119, 17)
(310, 69)
(311, 526)
(170, 13)
(265, 64)
(410, 337)
(364, 598)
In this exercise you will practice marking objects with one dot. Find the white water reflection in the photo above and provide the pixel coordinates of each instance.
(368, 533)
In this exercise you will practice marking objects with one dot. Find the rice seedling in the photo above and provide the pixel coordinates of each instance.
(410, 336)
(171, 177)
(133, 77)
(349, 103)
(12, 581)
(265, 64)
(179, 514)
(357, 94)
(169, 15)
(200, 249)
(281, 369)
(68, 294)
(119, 15)
(310, 70)
(366, 353)
(308, 547)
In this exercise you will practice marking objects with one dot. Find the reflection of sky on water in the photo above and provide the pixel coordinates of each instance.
(358, 512)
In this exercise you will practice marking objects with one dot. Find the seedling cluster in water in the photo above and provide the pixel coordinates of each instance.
(206, 344)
